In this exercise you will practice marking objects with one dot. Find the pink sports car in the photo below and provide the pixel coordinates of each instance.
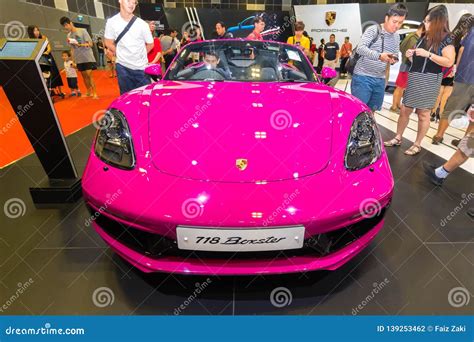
(239, 161)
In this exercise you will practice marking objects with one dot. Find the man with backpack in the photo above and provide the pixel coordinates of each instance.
(378, 49)
(129, 39)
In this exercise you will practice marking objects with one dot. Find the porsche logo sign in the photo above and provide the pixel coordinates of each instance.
(330, 17)
(241, 164)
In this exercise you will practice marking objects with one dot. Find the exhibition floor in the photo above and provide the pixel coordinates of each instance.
(417, 259)
(73, 113)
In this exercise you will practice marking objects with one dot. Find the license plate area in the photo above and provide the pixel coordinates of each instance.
(239, 240)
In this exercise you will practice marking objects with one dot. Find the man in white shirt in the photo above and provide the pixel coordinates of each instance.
(131, 50)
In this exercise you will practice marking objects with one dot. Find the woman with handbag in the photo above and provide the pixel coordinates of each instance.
(433, 52)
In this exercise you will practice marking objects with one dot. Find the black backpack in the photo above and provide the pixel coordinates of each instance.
(354, 58)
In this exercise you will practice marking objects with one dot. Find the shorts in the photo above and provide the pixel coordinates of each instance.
(461, 98)
(402, 79)
(370, 90)
(447, 81)
(72, 82)
(466, 145)
(330, 64)
(87, 66)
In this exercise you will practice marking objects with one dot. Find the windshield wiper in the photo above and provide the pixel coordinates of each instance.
(292, 80)
(212, 80)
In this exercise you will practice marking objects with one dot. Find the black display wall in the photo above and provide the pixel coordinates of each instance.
(154, 12)
(178, 19)
(376, 12)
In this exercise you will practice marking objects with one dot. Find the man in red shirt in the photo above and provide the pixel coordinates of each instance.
(154, 55)
(259, 26)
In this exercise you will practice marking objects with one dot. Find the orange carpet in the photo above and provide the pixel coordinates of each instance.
(73, 113)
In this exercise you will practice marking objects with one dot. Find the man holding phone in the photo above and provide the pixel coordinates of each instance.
(378, 47)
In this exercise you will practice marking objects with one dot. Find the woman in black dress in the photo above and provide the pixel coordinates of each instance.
(55, 79)
(433, 51)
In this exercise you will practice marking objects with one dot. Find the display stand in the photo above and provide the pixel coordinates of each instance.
(22, 80)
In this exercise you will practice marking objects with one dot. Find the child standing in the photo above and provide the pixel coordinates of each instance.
(71, 73)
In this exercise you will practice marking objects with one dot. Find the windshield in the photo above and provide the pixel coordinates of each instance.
(242, 61)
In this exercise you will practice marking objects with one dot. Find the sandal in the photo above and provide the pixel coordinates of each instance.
(413, 150)
(394, 142)
(436, 140)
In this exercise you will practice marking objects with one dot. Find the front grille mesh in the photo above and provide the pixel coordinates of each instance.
(156, 246)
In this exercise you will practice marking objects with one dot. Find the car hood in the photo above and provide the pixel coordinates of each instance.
(240, 132)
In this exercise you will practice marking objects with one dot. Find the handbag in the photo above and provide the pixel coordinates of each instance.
(354, 58)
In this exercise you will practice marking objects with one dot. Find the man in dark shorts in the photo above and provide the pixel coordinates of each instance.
(81, 51)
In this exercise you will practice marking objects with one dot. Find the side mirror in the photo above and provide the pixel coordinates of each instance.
(328, 73)
(154, 71)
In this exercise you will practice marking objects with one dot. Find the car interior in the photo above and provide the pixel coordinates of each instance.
(242, 63)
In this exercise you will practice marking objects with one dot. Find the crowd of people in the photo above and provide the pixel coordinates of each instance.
(435, 79)
(434, 60)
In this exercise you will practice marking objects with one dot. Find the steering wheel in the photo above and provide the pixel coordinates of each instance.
(213, 74)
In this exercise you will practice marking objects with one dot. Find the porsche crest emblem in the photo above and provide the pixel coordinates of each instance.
(330, 17)
(241, 164)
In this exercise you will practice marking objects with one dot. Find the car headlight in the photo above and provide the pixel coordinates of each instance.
(113, 142)
(364, 145)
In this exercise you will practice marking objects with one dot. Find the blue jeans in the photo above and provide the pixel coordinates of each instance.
(130, 79)
(101, 59)
(369, 90)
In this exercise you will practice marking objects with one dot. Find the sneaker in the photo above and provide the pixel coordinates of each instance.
(455, 142)
(430, 172)
(73, 94)
(79, 93)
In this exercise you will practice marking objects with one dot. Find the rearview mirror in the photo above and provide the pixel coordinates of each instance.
(154, 71)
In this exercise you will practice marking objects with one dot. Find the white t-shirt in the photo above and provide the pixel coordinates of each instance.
(131, 49)
(70, 71)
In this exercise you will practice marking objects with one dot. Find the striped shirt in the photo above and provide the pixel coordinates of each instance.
(369, 63)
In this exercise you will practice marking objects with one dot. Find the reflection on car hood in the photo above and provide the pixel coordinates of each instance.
(240, 132)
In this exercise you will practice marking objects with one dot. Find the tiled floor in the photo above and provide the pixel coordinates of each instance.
(415, 265)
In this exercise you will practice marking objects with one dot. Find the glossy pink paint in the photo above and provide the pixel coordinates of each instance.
(187, 137)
